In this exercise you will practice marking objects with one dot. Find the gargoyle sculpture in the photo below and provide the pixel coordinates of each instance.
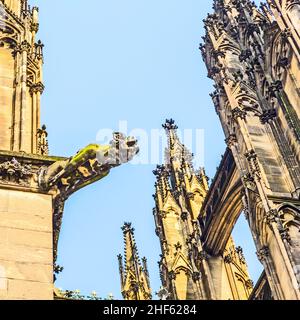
(89, 165)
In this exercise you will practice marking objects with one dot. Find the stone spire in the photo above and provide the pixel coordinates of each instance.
(135, 283)
(176, 152)
(178, 168)
(179, 194)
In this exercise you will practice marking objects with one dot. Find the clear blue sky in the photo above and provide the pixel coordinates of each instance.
(134, 60)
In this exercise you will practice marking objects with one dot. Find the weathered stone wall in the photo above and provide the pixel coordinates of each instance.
(26, 245)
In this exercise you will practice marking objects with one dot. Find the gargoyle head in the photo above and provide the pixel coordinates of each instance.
(121, 149)
(90, 163)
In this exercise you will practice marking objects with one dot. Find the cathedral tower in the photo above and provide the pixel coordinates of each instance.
(21, 78)
(135, 283)
(253, 56)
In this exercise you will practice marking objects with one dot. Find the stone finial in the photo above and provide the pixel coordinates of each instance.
(170, 125)
(42, 141)
(134, 274)
(127, 227)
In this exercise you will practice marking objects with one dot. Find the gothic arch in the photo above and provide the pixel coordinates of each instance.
(222, 222)
(280, 55)
(286, 205)
(229, 45)
(244, 92)
(248, 103)
(31, 76)
(290, 215)
(260, 227)
(186, 270)
(8, 42)
(169, 209)
(184, 276)
(232, 56)
(197, 191)
(293, 13)
(242, 282)
(10, 27)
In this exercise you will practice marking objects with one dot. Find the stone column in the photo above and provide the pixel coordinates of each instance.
(34, 119)
(25, 47)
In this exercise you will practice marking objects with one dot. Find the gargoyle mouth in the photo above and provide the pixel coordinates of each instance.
(131, 142)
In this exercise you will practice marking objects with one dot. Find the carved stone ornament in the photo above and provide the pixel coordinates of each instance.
(272, 216)
(178, 246)
(184, 216)
(42, 141)
(34, 27)
(249, 182)
(268, 116)
(170, 125)
(245, 55)
(37, 88)
(218, 53)
(240, 254)
(251, 156)
(158, 231)
(239, 113)
(231, 140)
(228, 259)
(13, 172)
(263, 253)
(163, 294)
(196, 276)
(160, 171)
(163, 214)
(249, 284)
(274, 88)
(190, 195)
(38, 50)
(23, 46)
(203, 256)
(90, 164)
(285, 236)
(286, 34)
(172, 275)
